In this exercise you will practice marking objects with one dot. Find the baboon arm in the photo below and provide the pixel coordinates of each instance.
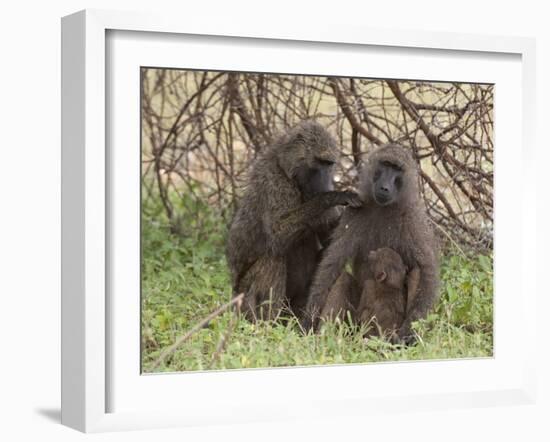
(327, 224)
(426, 294)
(413, 280)
(340, 301)
(285, 225)
(337, 254)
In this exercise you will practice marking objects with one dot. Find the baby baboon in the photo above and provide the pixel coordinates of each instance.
(393, 215)
(386, 293)
(287, 211)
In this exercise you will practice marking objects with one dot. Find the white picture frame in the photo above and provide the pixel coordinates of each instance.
(87, 209)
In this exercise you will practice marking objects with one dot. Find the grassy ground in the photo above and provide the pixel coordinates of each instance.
(185, 277)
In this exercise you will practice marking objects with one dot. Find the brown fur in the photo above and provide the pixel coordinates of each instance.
(276, 236)
(386, 293)
(402, 226)
(342, 299)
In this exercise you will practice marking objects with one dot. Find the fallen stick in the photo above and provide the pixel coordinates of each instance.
(196, 328)
(221, 345)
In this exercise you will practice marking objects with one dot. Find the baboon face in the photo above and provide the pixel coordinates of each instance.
(309, 159)
(388, 176)
(387, 267)
(315, 177)
(387, 183)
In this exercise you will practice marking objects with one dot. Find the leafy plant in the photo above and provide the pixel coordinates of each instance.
(185, 278)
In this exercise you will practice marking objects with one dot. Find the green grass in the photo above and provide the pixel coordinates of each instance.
(185, 277)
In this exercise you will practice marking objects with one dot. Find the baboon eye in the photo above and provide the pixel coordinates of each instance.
(325, 162)
(377, 174)
(398, 181)
(392, 165)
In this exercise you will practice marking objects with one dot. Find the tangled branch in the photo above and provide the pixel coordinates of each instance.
(201, 130)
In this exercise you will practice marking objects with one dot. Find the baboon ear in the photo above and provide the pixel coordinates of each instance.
(380, 276)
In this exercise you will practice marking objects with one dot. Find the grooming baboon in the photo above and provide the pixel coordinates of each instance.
(393, 215)
(386, 293)
(286, 212)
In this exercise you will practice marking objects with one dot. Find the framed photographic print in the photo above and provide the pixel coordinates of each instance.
(256, 222)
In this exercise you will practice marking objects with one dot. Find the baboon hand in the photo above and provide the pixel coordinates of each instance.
(307, 325)
(405, 336)
(349, 198)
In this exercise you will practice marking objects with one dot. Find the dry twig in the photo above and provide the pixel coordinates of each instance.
(168, 351)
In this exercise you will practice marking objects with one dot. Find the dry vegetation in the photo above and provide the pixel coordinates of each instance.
(201, 130)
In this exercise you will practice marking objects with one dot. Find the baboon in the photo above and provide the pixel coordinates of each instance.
(387, 292)
(288, 208)
(393, 215)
